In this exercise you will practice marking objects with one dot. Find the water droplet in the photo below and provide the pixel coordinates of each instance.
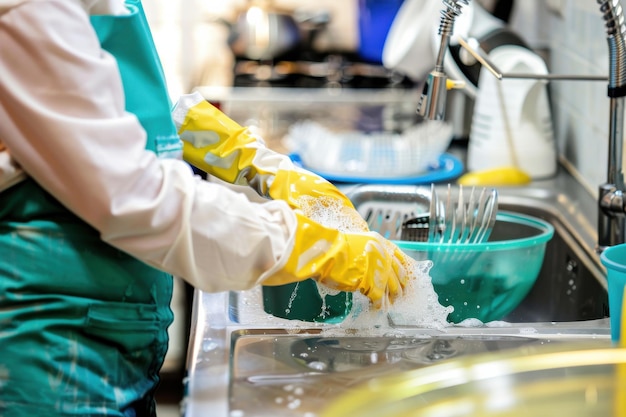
(294, 404)
(317, 365)
(209, 345)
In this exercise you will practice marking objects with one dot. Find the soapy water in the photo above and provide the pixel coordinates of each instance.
(333, 213)
(417, 307)
(419, 304)
(324, 291)
(292, 297)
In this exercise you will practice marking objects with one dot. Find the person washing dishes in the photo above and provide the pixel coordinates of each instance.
(97, 213)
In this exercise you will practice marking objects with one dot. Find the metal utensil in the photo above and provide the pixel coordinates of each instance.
(385, 212)
(417, 229)
(454, 220)
(389, 220)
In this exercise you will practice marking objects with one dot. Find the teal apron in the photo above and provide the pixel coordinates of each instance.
(83, 326)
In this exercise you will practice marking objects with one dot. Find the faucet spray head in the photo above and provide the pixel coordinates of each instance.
(432, 103)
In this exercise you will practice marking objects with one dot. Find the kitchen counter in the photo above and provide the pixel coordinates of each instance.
(245, 362)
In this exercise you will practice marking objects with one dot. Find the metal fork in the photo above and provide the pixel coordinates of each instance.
(460, 220)
(471, 221)
(455, 220)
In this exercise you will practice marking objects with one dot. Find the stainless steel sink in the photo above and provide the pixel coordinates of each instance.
(571, 285)
(243, 361)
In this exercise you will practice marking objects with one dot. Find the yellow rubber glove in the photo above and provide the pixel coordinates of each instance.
(345, 261)
(219, 146)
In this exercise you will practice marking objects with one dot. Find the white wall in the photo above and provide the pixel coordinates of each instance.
(578, 45)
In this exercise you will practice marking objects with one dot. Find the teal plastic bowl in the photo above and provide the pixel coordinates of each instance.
(302, 301)
(614, 259)
(486, 281)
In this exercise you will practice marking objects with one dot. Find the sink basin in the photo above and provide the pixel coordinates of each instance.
(243, 361)
(571, 285)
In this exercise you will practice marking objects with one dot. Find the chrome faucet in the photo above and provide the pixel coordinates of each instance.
(612, 207)
(432, 103)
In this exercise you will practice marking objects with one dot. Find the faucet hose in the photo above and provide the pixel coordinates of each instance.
(449, 14)
(451, 10)
(613, 15)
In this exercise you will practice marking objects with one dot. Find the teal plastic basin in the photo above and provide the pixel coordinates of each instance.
(302, 301)
(486, 281)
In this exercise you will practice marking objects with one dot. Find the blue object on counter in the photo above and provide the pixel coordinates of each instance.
(448, 168)
(614, 259)
(375, 19)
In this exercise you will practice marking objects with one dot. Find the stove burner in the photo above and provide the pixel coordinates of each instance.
(333, 70)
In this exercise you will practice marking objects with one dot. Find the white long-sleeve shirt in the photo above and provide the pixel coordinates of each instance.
(63, 123)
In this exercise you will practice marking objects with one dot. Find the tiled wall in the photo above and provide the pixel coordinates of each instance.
(578, 45)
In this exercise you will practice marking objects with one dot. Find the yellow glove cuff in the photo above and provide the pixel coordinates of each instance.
(218, 145)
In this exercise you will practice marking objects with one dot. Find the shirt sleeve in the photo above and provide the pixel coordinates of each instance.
(63, 119)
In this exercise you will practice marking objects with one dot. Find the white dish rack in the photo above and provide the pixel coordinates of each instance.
(375, 154)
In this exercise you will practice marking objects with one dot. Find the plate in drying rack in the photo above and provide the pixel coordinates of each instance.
(448, 168)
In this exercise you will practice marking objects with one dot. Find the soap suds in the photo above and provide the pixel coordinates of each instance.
(418, 306)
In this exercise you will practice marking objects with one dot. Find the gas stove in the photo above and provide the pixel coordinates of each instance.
(317, 71)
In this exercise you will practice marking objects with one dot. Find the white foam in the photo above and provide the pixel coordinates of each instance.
(470, 322)
(419, 304)
(331, 212)
(498, 323)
